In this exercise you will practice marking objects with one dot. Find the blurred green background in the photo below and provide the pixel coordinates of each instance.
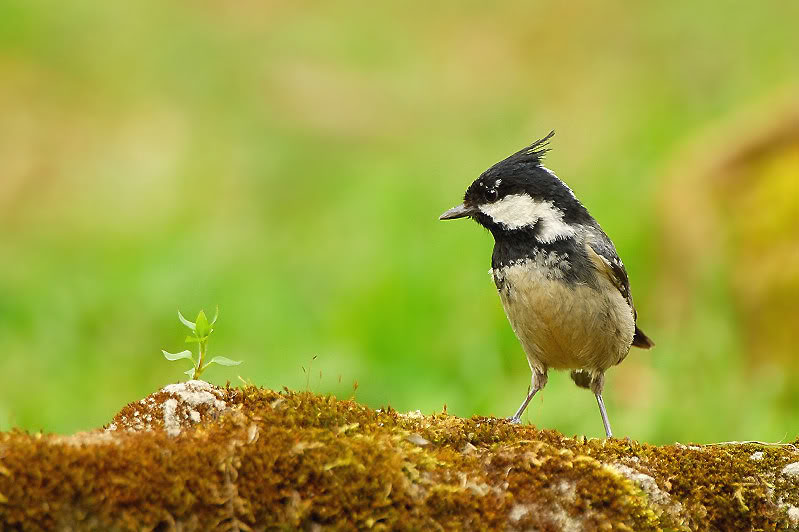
(288, 161)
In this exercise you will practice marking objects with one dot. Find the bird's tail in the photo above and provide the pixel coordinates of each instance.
(642, 340)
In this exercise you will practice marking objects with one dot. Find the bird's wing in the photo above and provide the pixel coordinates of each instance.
(602, 253)
(607, 262)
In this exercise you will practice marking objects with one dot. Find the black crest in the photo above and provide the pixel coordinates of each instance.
(534, 153)
(522, 164)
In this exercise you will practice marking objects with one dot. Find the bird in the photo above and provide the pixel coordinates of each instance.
(562, 285)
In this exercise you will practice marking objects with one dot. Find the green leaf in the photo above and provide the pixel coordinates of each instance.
(190, 373)
(223, 361)
(186, 322)
(192, 339)
(177, 356)
(215, 316)
(202, 328)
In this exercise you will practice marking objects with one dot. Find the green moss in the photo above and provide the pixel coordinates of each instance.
(263, 459)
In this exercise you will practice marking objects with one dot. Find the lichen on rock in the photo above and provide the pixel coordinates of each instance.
(174, 408)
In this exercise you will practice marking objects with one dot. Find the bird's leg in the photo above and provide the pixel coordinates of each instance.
(604, 414)
(597, 383)
(539, 380)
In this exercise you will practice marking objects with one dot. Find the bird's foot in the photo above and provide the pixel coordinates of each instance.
(514, 420)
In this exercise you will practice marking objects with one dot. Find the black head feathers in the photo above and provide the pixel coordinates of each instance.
(534, 153)
(522, 174)
(523, 160)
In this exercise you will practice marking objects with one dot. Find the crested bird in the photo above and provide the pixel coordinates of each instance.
(562, 284)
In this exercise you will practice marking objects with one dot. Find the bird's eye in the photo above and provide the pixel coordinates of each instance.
(491, 194)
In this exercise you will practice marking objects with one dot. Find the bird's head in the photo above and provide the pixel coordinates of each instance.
(519, 195)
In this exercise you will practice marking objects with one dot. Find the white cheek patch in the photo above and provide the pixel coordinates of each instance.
(520, 210)
(514, 211)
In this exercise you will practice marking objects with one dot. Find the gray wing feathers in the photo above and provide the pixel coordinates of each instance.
(608, 262)
(613, 268)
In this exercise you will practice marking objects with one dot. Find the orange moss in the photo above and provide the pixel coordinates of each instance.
(259, 459)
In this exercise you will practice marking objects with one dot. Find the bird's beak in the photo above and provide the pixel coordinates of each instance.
(457, 212)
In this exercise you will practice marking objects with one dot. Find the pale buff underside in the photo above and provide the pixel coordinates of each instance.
(563, 327)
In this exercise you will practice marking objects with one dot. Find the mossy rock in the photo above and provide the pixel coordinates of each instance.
(197, 457)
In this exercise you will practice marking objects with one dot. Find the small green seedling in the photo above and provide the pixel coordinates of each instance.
(200, 331)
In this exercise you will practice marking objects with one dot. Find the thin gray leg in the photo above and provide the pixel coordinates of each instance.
(604, 414)
(597, 384)
(538, 381)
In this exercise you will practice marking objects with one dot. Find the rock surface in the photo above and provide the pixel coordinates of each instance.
(196, 457)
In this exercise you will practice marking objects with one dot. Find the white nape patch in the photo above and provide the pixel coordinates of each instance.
(550, 172)
(520, 210)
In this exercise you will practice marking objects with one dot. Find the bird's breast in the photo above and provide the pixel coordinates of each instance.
(563, 324)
